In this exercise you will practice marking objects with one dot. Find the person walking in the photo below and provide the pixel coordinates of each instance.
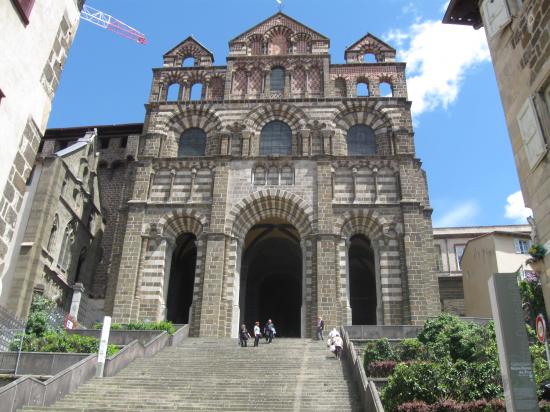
(320, 328)
(257, 333)
(269, 331)
(338, 346)
(243, 336)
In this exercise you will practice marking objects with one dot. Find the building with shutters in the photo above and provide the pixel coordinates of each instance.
(518, 33)
(35, 40)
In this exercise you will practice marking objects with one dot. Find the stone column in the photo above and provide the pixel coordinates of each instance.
(77, 304)
(212, 323)
(325, 251)
(129, 263)
(305, 137)
(423, 288)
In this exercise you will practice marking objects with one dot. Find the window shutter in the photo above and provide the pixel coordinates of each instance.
(496, 15)
(531, 133)
(24, 7)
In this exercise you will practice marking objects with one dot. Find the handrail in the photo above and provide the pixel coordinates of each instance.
(370, 399)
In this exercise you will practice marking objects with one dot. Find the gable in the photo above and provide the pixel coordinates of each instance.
(370, 44)
(190, 48)
(278, 20)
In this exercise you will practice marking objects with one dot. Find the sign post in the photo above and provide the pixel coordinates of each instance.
(518, 378)
(103, 346)
(541, 335)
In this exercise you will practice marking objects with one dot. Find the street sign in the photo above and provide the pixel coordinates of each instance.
(541, 328)
(70, 322)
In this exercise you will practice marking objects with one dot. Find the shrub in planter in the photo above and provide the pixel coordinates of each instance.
(380, 369)
(378, 350)
(410, 349)
(430, 381)
(163, 325)
(448, 336)
(495, 405)
(60, 342)
(416, 406)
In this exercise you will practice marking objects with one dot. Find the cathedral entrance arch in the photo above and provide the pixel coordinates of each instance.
(271, 277)
(182, 278)
(287, 243)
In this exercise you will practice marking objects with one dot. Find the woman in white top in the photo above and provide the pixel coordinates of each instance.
(257, 333)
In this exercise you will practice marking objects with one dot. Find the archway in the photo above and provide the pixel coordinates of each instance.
(182, 278)
(362, 281)
(271, 277)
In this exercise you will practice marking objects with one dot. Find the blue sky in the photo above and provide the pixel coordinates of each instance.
(460, 131)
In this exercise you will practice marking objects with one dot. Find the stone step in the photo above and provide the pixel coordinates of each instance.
(217, 375)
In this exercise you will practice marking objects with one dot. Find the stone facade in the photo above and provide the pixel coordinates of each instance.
(35, 41)
(317, 192)
(518, 33)
(59, 242)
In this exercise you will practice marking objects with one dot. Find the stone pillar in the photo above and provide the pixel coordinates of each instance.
(77, 302)
(213, 320)
(423, 288)
(212, 286)
(326, 285)
(128, 269)
(305, 137)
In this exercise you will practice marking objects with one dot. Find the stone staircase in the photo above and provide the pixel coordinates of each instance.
(216, 375)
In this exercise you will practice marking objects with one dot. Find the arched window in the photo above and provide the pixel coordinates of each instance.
(362, 89)
(340, 87)
(173, 92)
(369, 58)
(361, 140)
(196, 91)
(192, 143)
(53, 233)
(276, 139)
(188, 61)
(277, 80)
(386, 89)
(66, 247)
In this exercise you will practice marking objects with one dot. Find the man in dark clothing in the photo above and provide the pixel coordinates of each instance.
(269, 331)
(320, 328)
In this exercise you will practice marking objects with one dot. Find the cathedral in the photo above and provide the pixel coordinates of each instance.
(277, 186)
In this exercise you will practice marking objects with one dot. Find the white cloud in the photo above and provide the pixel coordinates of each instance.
(438, 57)
(515, 208)
(462, 214)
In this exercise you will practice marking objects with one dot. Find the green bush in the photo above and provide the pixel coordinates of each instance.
(447, 335)
(432, 381)
(39, 316)
(163, 325)
(410, 349)
(60, 342)
(378, 350)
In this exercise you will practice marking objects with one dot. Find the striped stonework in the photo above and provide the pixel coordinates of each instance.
(316, 198)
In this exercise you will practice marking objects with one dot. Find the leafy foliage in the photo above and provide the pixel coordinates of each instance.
(163, 325)
(411, 349)
(532, 298)
(482, 405)
(60, 342)
(41, 316)
(537, 251)
(378, 350)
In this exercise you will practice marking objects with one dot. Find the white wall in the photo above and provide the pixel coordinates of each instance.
(24, 52)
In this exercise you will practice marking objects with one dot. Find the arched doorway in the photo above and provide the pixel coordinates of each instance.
(362, 281)
(271, 277)
(182, 278)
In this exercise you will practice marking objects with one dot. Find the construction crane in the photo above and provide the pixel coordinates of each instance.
(108, 22)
